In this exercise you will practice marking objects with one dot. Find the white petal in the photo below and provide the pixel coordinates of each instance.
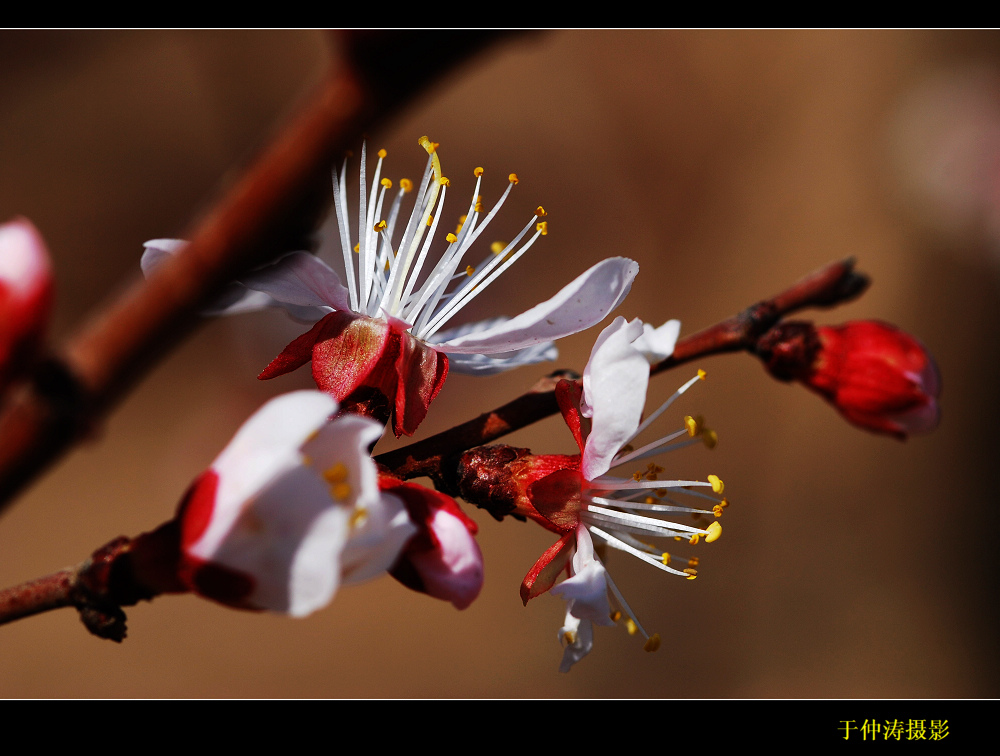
(582, 303)
(582, 632)
(300, 278)
(481, 364)
(235, 299)
(658, 343)
(345, 442)
(265, 447)
(614, 393)
(375, 542)
(288, 537)
(156, 251)
(24, 259)
(587, 589)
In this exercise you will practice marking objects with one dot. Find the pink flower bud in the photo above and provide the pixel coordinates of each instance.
(25, 296)
(443, 559)
(879, 377)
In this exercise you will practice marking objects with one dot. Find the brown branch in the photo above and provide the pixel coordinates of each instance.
(829, 286)
(274, 205)
(49, 592)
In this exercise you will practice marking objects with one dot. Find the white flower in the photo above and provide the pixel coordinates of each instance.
(290, 510)
(393, 278)
(577, 498)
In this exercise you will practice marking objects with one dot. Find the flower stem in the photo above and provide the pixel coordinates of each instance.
(829, 286)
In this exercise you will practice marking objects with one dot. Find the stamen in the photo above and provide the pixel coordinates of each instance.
(659, 411)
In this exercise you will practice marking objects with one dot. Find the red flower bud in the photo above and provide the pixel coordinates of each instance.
(879, 377)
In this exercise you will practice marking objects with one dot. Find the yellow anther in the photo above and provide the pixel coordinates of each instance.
(717, 484)
(630, 626)
(469, 270)
(665, 559)
(405, 184)
(692, 425)
(478, 172)
(358, 516)
(678, 538)
(479, 206)
(381, 225)
(428, 145)
(653, 468)
(691, 573)
(724, 503)
(717, 510)
(714, 531)
(430, 220)
(637, 476)
(569, 637)
(540, 212)
(382, 154)
(341, 491)
(693, 540)
(702, 374)
(386, 183)
(513, 178)
(336, 474)
(542, 228)
(497, 247)
(693, 562)
(651, 476)
(615, 616)
(357, 248)
(710, 438)
(661, 492)
(443, 181)
(650, 500)
(451, 238)
(387, 266)
(652, 643)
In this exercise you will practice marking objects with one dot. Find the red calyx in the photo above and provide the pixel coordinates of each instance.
(372, 367)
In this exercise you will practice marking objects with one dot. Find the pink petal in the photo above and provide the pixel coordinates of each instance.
(25, 296)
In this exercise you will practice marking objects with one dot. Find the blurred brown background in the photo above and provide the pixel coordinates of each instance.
(728, 164)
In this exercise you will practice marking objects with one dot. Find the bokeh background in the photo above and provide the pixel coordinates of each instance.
(728, 164)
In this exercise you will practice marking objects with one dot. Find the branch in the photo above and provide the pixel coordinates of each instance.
(274, 205)
(829, 286)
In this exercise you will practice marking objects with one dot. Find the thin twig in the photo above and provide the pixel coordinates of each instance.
(831, 285)
(275, 204)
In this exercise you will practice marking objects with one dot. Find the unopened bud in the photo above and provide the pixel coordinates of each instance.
(879, 377)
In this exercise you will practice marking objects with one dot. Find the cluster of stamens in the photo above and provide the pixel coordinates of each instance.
(616, 510)
(386, 276)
